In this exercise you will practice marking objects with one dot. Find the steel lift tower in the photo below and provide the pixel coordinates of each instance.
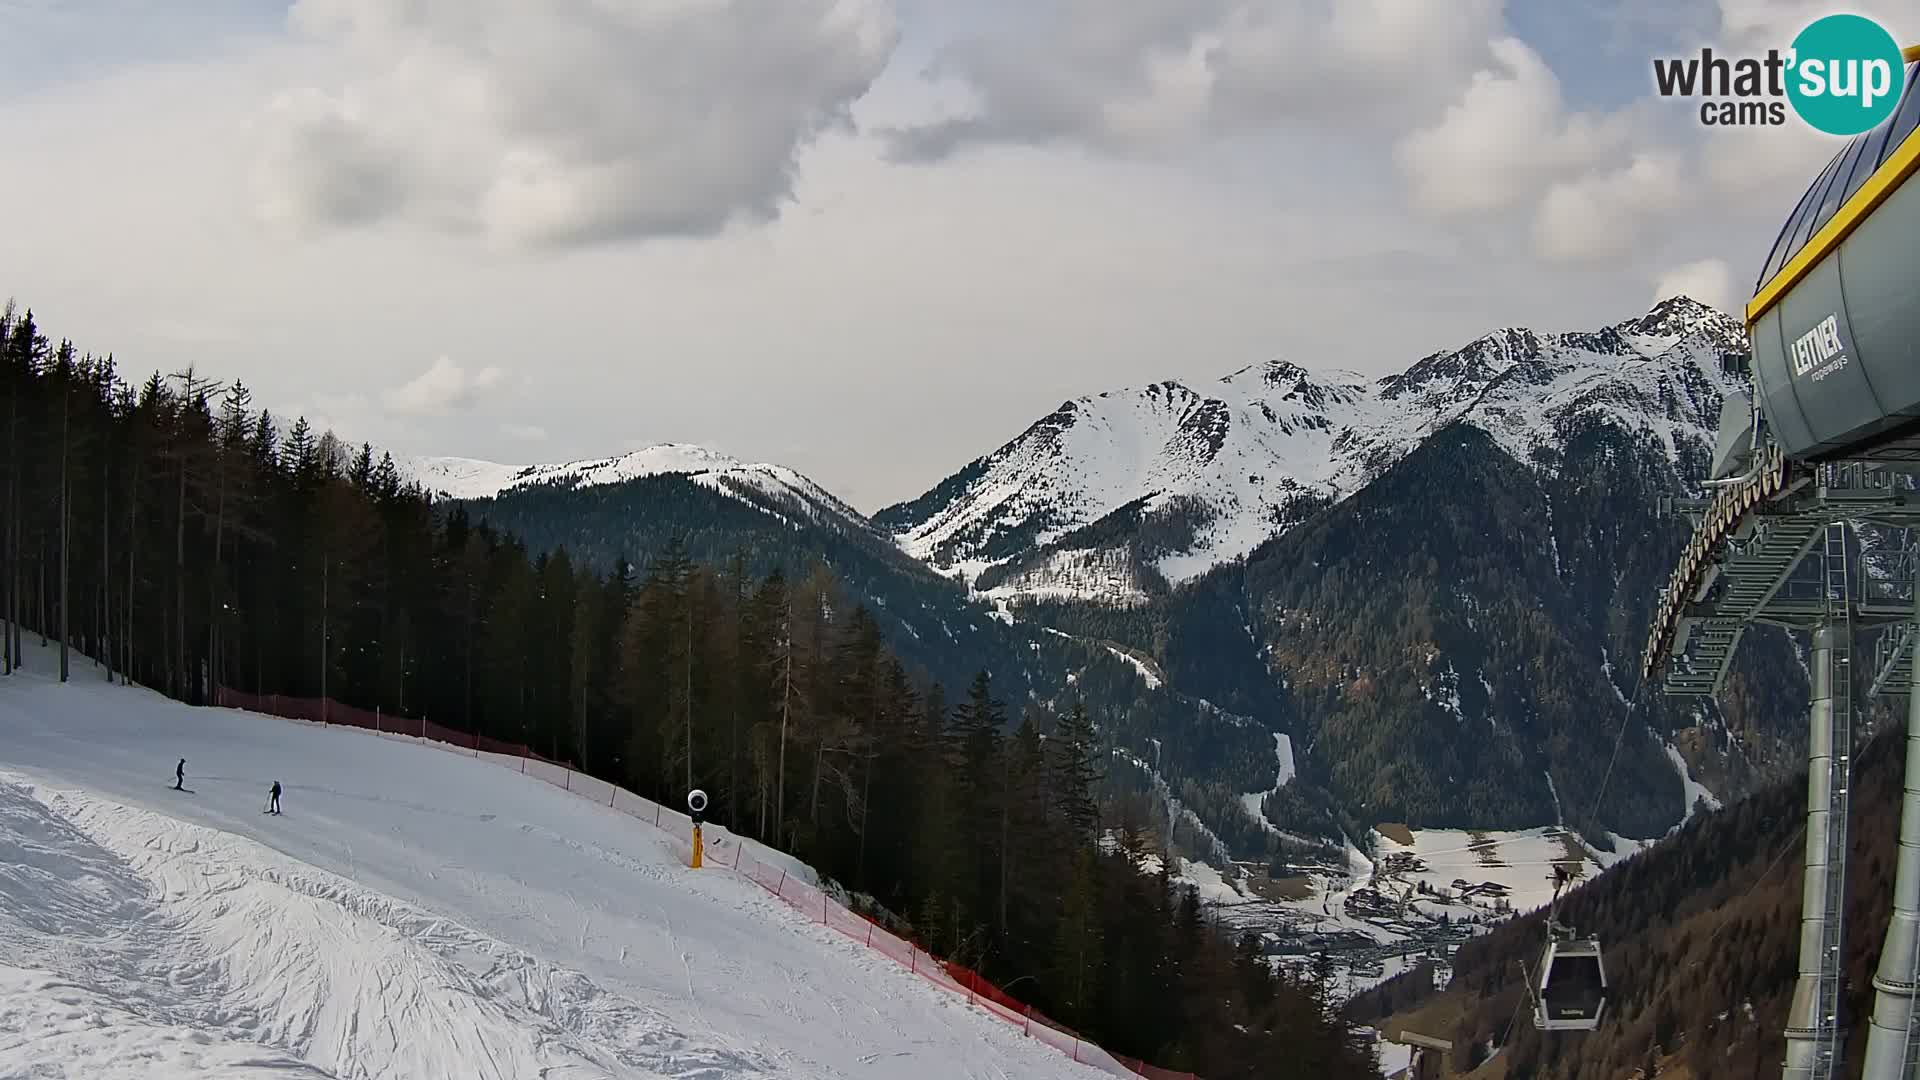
(1827, 444)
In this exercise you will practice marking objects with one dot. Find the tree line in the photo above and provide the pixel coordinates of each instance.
(182, 539)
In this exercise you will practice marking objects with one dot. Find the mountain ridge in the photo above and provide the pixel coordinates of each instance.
(1207, 477)
(462, 478)
(1035, 519)
(1184, 598)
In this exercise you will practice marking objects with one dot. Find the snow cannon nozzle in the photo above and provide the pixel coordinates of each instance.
(696, 802)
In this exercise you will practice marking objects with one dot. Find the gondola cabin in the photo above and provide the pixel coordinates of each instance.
(1573, 987)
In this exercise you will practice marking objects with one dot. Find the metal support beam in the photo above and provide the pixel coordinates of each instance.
(1815, 1031)
(1804, 1021)
(1893, 1048)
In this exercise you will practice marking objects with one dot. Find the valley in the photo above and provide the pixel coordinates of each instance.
(1360, 921)
(1213, 569)
(1360, 731)
(1204, 541)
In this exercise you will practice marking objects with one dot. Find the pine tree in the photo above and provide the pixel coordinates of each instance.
(1076, 772)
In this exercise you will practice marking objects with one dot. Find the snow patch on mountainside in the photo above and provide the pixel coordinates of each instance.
(463, 478)
(1190, 478)
(1177, 812)
(1624, 848)
(757, 484)
(1106, 576)
(1283, 753)
(1146, 673)
(1696, 792)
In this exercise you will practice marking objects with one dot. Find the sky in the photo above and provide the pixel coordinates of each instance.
(868, 239)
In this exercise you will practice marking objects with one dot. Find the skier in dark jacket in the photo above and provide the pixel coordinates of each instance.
(273, 799)
(180, 775)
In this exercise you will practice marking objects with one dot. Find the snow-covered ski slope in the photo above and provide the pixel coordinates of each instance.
(412, 913)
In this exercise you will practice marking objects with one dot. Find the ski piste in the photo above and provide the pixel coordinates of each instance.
(659, 971)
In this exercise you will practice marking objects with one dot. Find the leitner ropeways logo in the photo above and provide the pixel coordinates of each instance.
(1843, 75)
(1820, 351)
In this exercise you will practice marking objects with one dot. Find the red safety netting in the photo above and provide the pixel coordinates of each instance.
(435, 733)
(722, 850)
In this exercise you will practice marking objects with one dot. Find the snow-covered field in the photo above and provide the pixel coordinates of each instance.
(1522, 861)
(413, 913)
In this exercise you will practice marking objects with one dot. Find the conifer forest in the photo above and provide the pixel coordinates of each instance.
(169, 529)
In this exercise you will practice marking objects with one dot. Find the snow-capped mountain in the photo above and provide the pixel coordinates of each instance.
(773, 488)
(1111, 495)
(1548, 452)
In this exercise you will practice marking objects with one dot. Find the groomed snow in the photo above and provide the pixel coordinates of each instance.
(414, 913)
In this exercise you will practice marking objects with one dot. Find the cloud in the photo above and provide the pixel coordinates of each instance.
(1606, 215)
(567, 122)
(524, 432)
(1339, 62)
(1760, 24)
(1153, 73)
(1762, 167)
(443, 388)
(1012, 279)
(1508, 136)
(340, 404)
(1064, 70)
(1709, 281)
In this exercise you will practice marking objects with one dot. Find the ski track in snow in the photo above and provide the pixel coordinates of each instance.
(205, 931)
(414, 913)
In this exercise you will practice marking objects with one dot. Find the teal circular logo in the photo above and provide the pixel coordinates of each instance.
(1845, 75)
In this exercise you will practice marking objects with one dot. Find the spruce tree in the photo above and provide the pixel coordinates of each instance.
(1076, 772)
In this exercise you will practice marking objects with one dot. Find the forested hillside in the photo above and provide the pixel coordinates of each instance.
(1447, 634)
(1208, 751)
(1436, 582)
(926, 618)
(188, 540)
